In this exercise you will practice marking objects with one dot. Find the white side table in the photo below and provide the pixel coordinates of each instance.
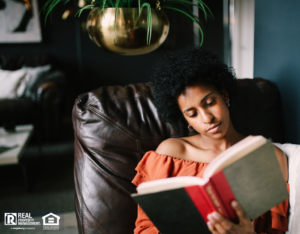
(12, 156)
(20, 137)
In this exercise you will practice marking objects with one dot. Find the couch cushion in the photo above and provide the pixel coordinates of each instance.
(18, 110)
(257, 109)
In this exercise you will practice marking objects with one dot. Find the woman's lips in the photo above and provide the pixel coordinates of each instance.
(214, 128)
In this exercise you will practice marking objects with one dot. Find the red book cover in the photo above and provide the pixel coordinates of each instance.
(215, 195)
(200, 200)
(224, 193)
(215, 198)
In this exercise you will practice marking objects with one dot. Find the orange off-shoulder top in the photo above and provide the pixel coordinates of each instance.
(154, 166)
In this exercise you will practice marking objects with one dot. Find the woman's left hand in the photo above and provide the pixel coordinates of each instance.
(219, 225)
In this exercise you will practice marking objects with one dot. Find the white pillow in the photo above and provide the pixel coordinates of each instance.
(293, 153)
(33, 74)
(10, 82)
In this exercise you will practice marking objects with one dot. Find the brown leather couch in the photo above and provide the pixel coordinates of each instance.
(114, 126)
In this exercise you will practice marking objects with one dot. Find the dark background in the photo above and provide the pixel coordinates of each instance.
(277, 56)
(88, 67)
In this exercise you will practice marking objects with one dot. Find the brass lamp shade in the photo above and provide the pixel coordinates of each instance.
(131, 33)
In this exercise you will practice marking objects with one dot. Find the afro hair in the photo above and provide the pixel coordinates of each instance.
(177, 70)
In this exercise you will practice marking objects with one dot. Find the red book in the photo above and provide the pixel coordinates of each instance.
(248, 172)
(210, 200)
(225, 194)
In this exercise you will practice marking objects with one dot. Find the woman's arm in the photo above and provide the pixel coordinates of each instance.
(282, 162)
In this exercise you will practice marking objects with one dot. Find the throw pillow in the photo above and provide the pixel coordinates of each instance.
(32, 76)
(10, 82)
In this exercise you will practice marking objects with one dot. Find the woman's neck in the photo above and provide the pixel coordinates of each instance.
(230, 138)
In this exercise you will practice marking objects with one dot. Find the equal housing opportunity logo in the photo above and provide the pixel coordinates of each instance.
(51, 222)
(34, 220)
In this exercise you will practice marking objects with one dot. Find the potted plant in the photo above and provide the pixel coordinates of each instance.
(132, 27)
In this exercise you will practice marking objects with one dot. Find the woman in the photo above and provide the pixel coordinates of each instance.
(194, 89)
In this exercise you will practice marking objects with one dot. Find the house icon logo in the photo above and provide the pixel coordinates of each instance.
(51, 219)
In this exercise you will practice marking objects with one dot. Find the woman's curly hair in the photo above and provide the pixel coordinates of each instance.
(176, 71)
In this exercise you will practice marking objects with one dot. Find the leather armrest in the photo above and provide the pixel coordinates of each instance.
(48, 86)
(49, 97)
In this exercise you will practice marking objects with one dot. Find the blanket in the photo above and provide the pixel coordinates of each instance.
(293, 153)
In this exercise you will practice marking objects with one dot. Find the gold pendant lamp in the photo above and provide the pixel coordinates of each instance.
(126, 31)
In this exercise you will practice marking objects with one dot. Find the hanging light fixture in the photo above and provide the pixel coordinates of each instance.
(127, 33)
(133, 27)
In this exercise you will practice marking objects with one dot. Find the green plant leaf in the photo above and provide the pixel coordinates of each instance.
(149, 26)
(84, 8)
(179, 1)
(203, 9)
(139, 2)
(191, 17)
(103, 5)
(50, 4)
(205, 6)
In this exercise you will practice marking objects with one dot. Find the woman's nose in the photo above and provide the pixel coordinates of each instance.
(206, 116)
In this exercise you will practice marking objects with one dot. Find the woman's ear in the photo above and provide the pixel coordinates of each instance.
(225, 96)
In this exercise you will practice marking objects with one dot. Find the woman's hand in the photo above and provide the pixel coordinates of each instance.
(219, 225)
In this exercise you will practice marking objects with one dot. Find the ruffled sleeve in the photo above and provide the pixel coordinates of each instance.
(154, 166)
(148, 167)
(275, 221)
(143, 225)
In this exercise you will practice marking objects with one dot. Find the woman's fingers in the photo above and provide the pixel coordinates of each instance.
(211, 228)
(240, 211)
(220, 224)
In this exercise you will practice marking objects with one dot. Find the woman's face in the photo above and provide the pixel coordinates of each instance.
(205, 109)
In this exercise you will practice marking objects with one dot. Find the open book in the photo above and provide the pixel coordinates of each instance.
(248, 172)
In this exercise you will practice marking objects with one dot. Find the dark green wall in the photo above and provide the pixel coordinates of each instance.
(277, 56)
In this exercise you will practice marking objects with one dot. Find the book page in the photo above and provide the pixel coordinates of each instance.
(234, 153)
(168, 184)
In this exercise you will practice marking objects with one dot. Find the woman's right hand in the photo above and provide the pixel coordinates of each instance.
(219, 225)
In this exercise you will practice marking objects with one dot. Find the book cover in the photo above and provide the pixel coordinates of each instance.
(256, 181)
(173, 212)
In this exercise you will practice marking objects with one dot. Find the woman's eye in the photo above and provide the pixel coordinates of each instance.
(210, 103)
(193, 114)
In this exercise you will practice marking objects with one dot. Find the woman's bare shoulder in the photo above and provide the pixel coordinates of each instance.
(171, 147)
